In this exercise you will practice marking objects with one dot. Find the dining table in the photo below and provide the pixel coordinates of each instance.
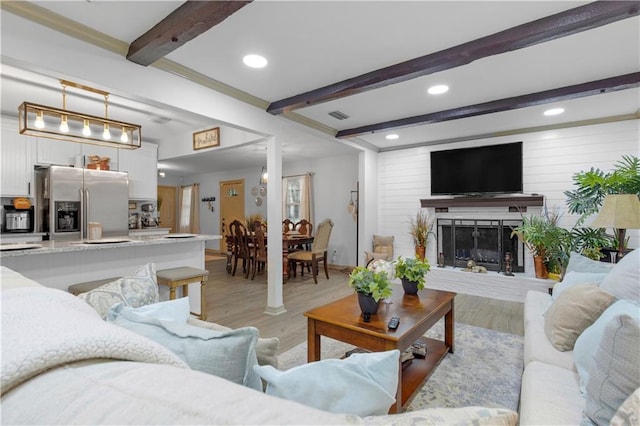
(289, 242)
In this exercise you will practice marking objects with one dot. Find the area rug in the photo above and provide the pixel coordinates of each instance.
(485, 369)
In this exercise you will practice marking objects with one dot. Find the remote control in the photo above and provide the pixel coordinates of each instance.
(393, 323)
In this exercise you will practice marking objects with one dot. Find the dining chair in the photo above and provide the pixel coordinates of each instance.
(259, 256)
(241, 249)
(318, 252)
(287, 225)
(304, 227)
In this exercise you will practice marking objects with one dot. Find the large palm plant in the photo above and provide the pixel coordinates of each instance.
(594, 184)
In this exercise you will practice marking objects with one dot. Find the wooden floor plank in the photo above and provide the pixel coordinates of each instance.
(237, 302)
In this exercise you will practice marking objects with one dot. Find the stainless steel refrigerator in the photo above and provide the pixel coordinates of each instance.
(72, 197)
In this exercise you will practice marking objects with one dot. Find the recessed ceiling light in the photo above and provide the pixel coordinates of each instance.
(392, 136)
(255, 61)
(554, 111)
(438, 89)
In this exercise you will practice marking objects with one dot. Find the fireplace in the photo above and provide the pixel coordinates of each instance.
(485, 241)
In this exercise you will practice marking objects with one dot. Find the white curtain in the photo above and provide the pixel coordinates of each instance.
(297, 197)
(188, 211)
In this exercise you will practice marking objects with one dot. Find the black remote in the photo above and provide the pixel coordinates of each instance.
(393, 323)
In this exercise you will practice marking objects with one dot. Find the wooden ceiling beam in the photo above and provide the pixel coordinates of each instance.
(183, 24)
(562, 24)
(598, 87)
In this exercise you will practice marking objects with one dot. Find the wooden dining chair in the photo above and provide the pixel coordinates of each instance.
(259, 256)
(318, 252)
(241, 248)
(304, 227)
(287, 225)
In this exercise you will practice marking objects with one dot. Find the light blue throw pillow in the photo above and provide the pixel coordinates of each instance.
(363, 384)
(229, 354)
(172, 310)
(624, 279)
(580, 263)
(574, 278)
(589, 340)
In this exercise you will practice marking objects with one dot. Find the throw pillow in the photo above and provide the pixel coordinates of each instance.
(624, 279)
(574, 278)
(230, 354)
(590, 338)
(572, 312)
(172, 310)
(362, 384)
(369, 256)
(135, 290)
(615, 373)
(629, 411)
(580, 263)
(266, 348)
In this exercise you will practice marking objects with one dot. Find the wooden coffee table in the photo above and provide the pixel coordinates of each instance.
(342, 320)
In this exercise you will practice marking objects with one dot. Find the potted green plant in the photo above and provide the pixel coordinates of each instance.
(411, 270)
(371, 286)
(543, 237)
(594, 185)
(420, 228)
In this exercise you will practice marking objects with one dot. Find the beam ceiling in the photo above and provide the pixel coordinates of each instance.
(562, 24)
(183, 24)
(607, 85)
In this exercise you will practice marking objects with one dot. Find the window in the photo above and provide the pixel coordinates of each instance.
(296, 198)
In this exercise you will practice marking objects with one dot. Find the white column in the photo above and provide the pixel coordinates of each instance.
(275, 303)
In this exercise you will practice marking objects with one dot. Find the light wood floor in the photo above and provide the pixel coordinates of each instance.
(236, 302)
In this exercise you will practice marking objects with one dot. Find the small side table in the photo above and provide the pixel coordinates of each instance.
(182, 277)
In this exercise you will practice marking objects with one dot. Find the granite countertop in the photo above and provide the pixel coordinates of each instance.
(48, 247)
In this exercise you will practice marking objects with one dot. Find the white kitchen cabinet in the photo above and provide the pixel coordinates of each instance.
(102, 151)
(64, 153)
(142, 166)
(16, 161)
(56, 153)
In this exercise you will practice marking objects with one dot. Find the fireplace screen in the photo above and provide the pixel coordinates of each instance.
(484, 241)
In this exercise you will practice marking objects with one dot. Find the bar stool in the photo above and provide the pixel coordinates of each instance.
(182, 277)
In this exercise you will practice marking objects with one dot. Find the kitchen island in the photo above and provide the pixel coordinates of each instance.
(59, 264)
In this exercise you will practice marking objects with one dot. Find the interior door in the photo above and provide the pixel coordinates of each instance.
(167, 196)
(231, 203)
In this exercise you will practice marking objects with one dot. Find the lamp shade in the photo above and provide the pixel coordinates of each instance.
(620, 211)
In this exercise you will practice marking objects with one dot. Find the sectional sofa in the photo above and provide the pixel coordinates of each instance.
(62, 363)
(582, 347)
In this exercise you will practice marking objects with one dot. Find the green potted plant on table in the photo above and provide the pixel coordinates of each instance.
(420, 228)
(371, 286)
(412, 271)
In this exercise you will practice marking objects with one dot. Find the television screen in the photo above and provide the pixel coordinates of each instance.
(492, 169)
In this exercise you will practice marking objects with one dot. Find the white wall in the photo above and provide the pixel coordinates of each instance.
(550, 160)
(333, 180)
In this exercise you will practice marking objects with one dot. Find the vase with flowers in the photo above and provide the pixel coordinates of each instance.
(420, 228)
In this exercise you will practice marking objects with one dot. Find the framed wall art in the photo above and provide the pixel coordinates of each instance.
(206, 138)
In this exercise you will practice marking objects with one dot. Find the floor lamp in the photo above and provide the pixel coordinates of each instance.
(621, 212)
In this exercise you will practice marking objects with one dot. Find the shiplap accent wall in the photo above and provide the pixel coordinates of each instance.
(550, 160)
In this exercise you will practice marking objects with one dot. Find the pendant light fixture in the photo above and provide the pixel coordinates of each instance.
(62, 124)
(264, 176)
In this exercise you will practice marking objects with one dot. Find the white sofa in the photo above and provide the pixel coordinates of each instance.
(62, 364)
(550, 392)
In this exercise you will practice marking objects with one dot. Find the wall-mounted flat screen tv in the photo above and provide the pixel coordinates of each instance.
(491, 169)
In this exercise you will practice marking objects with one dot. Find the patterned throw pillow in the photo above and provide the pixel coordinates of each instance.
(615, 372)
(135, 290)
